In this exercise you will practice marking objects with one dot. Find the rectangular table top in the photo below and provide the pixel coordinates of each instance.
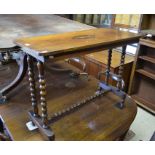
(71, 42)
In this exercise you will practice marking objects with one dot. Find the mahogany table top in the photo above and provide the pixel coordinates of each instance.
(71, 42)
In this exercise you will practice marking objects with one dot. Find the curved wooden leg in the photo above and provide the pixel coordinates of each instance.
(21, 73)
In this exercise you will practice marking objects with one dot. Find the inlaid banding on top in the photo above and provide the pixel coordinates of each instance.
(84, 37)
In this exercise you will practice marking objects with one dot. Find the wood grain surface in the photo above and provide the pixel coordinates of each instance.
(72, 41)
(99, 120)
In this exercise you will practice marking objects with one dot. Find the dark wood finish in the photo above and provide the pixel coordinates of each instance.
(121, 67)
(146, 73)
(96, 62)
(98, 120)
(65, 45)
(108, 66)
(147, 58)
(143, 103)
(42, 87)
(71, 44)
(46, 131)
(120, 81)
(32, 85)
(74, 42)
(148, 42)
(142, 82)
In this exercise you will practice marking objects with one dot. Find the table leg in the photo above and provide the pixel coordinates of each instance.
(32, 85)
(42, 87)
(21, 73)
(108, 67)
(41, 122)
(121, 67)
(119, 83)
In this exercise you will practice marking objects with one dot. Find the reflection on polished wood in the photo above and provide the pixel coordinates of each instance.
(75, 42)
(98, 120)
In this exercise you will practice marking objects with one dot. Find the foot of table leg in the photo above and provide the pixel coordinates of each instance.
(3, 99)
(46, 132)
(121, 104)
(21, 73)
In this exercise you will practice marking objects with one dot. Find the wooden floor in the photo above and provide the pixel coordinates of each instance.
(99, 120)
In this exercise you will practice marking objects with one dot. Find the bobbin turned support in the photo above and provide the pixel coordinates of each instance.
(119, 83)
(40, 121)
(32, 85)
(108, 67)
(118, 78)
(42, 87)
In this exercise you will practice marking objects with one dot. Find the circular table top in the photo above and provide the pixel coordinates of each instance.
(16, 26)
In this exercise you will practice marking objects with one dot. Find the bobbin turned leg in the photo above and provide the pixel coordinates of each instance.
(105, 86)
(121, 67)
(120, 72)
(42, 87)
(32, 86)
(41, 121)
(108, 67)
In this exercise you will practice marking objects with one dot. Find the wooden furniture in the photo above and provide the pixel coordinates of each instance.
(13, 26)
(143, 68)
(60, 46)
(142, 85)
(97, 120)
(96, 63)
